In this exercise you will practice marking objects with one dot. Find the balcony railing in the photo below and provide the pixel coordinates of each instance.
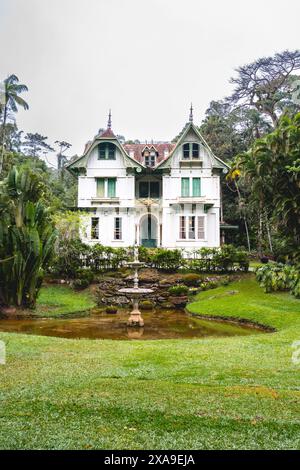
(105, 200)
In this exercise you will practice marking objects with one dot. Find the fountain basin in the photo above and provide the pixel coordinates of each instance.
(135, 317)
(135, 291)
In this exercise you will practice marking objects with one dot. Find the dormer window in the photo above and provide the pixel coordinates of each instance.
(191, 150)
(107, 151)
(149, 157)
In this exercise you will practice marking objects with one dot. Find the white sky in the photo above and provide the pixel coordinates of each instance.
(144, 59)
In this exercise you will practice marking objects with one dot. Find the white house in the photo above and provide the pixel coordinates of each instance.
(154, 194)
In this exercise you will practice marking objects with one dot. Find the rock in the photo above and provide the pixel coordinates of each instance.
(7, 311)
(179, 302)
(167, 305)
(121, 300)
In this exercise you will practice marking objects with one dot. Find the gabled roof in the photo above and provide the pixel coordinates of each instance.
(108, 133)
(162, 150)
(133, 153)
(217, 162)
(107, 136)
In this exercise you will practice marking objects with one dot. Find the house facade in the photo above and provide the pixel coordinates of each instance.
(153, 194)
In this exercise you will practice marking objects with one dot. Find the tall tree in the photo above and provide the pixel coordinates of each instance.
(10, 102)
(35, 143)
(267, 85)
(271, 168)
(62, 159)
(27, 238)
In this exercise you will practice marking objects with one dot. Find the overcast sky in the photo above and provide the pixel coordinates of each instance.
(144, 59)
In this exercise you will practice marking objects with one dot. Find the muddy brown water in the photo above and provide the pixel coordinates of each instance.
(159, 324)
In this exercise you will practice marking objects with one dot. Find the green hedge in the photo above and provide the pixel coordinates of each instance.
(73, 255)
(219, 260)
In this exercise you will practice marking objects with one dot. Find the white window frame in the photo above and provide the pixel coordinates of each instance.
(190, 144)
(186, 227)
(191, 178)
(120, 229)
(91, 228)
(106, 178)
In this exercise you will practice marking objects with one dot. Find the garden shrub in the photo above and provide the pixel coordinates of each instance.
(111, 309)
(167, 260)
(85, 273)
(279, 277)
(104, 258)
(179, 290)
(191, 279)
(73, 255)
(69, 256)
(211, 285)
(193, 290)
(221, 260)
(80, 284)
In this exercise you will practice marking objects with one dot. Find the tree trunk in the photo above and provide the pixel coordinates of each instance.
(260, 228)
(244, 217)
(269, 233)
(3, 138)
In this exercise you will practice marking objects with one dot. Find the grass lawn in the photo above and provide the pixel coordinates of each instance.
(55, 300)
(221, 393)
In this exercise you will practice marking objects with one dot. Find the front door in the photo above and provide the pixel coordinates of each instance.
(148, 231)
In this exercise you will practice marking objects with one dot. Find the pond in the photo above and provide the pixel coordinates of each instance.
(159, 324)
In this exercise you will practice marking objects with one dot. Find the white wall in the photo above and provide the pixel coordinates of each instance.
(167, 211)
(87, 186)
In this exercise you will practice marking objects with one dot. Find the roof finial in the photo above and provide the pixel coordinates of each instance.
(109, 120)
(191, 113)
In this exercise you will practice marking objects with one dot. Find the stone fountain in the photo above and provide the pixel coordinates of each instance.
(135, 317)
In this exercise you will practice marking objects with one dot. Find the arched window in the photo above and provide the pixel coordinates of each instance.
(107, 151)
(186, 151)
(191, 150)
(195, 151)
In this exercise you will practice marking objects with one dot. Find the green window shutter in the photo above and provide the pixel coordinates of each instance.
(111, 187)
(100, 187)
(196, 187)
(185, 187)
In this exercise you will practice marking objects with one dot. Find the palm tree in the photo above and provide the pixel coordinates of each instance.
(11, 100)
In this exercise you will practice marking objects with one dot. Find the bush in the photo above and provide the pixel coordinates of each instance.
(79, 284)
(179, 290)
(85, 274)
(69, 257)
(191, 280)
(220, 260)
(279, 277)
(211, 285)
(104, 258)
(166, 260)
(111, 309)
(225, 281)
(193, 290)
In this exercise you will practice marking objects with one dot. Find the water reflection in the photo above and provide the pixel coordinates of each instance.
(159, 324)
